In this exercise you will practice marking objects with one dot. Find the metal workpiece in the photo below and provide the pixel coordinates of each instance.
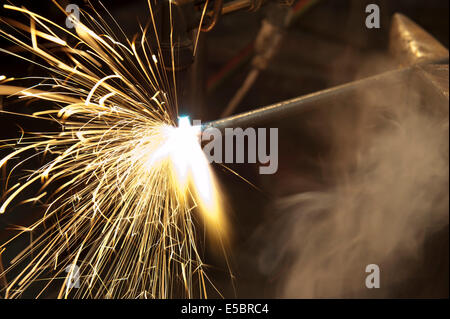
(410, 44)
(430, 82)
(418, 52)
(437, 75)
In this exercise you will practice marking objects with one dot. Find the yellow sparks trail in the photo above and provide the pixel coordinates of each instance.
(128, 179)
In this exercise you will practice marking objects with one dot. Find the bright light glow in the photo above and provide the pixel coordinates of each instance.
(180, 148)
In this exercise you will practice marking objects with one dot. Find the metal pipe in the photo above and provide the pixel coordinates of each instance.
(304, 103)
(236, 6)
(217, 11)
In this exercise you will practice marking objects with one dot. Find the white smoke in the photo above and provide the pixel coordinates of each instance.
(391, 194)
